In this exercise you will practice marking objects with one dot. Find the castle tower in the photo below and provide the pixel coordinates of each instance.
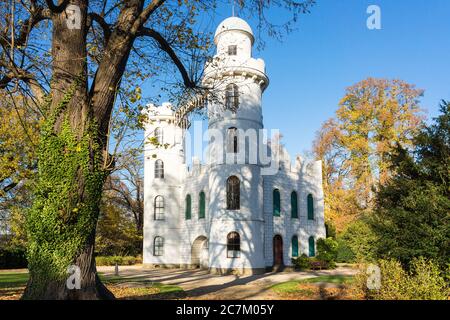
(234, 121)
(164, 156)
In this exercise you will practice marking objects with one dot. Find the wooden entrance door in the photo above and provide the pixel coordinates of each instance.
(277, 250)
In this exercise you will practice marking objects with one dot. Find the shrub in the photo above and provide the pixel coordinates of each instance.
(357, 243)
(13, 258)
(344, 252)
(327, 252)
(423, 281)
(301, 262)
(112, 260)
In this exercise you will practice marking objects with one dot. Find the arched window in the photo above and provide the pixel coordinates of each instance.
(232, 97)
(233, 245)
(159, 135)
(158, 208)
(188, 208)
(233, 193)
(276, 203)
(312, 246)
(232, 140)
(159, 169)
(310, 207)
(158, 246)
(201, 205)
(294, 246)
(294, 205)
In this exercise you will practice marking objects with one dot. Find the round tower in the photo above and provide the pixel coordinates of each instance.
(164, 156)
(234, 124)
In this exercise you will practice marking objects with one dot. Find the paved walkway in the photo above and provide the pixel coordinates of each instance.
(199, 284)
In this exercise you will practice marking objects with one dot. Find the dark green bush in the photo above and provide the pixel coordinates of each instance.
(302, 262)
(327, 252)
(13, 258)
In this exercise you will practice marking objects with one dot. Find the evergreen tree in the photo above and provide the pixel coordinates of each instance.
(413, 209)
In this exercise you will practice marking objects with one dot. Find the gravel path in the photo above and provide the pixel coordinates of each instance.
(199, 284)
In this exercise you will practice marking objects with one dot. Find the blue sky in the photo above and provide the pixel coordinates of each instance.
(333, 49)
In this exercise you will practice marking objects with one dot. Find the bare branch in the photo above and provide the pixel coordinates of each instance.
(57, 8)
(145, 14)
(165, 46)
(92, 16)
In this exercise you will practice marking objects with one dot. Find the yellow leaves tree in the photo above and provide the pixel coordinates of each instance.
(373, 116)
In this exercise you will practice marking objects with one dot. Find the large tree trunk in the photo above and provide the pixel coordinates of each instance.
(73, 147)
(75, 137)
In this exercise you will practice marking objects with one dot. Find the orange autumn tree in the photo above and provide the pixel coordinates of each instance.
(373, 116)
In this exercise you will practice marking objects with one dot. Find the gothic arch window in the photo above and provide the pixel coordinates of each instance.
(158, 208)
(233, 193)
(158, 246)
(310, 203)
(188, 209)
(294, 246)
(201, 205)
(232, 140)
(294, 205)
(159, 169)
(312, 247)
(276, 203)
(232, 97)
(159, 135)
(233, 245)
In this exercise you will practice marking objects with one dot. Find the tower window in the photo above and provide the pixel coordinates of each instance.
(232, 140)
(188, 209)
(310, 203)
(294, 205)
(158, 208)
(159, 135)
(294, 246)
(159, 169)
(202, 205)
(233, 245)
(232, 50)
(232, 97)
(276, 203)
(312, 247)
(233, 193)
(158, 246)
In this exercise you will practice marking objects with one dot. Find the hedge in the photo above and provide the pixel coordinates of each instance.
(13, 258)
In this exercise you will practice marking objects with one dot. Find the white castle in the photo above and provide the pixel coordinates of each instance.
(231, 214)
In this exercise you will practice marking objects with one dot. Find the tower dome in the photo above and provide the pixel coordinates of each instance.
(234, 24)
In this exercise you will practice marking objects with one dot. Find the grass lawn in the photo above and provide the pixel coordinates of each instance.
(12, 285)
(13, 279)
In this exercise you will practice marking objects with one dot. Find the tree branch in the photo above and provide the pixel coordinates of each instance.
(57, 8)
(165, 46)
(92, 16)
(145, 14)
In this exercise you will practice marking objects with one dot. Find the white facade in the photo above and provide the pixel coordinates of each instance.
(266, 228)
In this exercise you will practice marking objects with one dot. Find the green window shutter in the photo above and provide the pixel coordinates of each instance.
(276, 203)
(201, 213)
(310, 207)
(312, 249)
(294, 205)
(188, 207)
(294, 246)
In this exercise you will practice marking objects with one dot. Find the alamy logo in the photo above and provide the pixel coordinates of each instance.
(237, 146)
(374, 20)
(74, 279)
(73, 20)
(374, 277)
